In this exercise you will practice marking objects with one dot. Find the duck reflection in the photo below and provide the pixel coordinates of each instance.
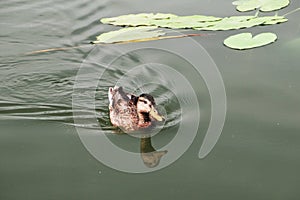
(150, 156)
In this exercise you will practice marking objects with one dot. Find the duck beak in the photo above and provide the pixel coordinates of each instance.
(153, 113)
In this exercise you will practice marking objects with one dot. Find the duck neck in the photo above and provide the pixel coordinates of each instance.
(144, 119)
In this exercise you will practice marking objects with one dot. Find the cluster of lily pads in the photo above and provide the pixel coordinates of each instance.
(145, 25)
(197, 22)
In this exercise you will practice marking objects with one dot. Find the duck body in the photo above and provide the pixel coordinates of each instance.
(130, 112)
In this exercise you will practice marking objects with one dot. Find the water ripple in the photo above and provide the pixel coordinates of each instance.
(40, 87)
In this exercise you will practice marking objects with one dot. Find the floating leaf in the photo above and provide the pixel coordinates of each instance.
(163, 16)
(229, 23)
(178, 24)
(145, 23)
(246, 41)
(264, 5)
(160, 19)
(238, 22)
(142, 19)
(195, 18)
(197, 22)
(274, 20)
(186, 21)
(129, 34)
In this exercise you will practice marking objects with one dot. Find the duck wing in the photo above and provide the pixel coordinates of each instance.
(122, 108)
(115, 95)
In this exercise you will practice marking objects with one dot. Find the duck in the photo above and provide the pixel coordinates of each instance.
(130, 112)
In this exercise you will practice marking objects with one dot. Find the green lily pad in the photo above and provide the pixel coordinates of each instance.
(197, 22)
(160, 19)
(234, 22)
(129, 34)
(143, 25)
(263, 5)
(186, 21)
(195, 18)
(142, 19)
(238, 22)
(177, 24)
(246, 41)
(275, 20)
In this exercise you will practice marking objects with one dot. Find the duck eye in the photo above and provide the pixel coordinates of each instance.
(145, 102)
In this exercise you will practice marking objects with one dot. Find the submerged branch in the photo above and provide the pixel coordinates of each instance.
(291, 12)
(121, 42)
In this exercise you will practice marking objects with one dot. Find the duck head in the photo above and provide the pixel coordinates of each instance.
(146, 107)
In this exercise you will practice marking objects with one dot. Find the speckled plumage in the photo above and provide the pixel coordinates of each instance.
(125, 113)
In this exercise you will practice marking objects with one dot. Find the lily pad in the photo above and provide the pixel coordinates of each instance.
(275, 20)
(195, 18)
(143, 25)
(142, 19)
(263, 5)
(160, 19)
(246, 41)
(186, 21)
(238, 22)
(173, 24)
(229, 23)
(129, 34)
(197, 22)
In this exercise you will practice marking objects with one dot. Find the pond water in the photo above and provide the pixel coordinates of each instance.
(54, 114)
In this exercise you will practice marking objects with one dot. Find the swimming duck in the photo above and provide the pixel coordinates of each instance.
(130, 112)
